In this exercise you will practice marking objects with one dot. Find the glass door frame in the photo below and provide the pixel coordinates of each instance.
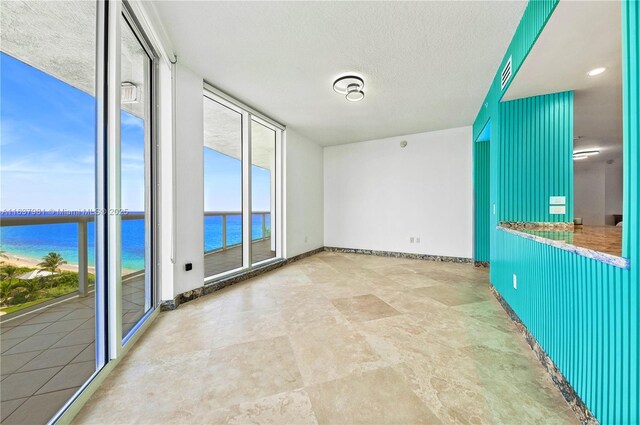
(248, 116)
(150, 185)
(110, 346)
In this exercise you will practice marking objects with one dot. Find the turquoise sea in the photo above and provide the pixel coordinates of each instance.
(36, 241)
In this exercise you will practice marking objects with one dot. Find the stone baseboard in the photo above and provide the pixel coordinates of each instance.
(484, 264)
(581, 411)
(399, 255)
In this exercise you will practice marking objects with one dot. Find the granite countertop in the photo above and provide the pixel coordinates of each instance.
(602, 243)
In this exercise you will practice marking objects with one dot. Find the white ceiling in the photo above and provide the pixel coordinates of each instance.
(580, 36)
(426, 65)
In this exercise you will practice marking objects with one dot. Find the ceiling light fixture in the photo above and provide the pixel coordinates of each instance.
(351, 87)
(596, 71)
(585, 154)
(588, 153)
(128, 92)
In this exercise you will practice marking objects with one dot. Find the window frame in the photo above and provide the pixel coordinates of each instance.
(249, 115)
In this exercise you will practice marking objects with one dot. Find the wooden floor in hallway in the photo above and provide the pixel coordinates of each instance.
(335, 339)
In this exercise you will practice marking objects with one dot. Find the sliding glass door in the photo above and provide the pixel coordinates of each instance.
(47, 195)
(135, 175)
(76, 219)
(222, 188)
(241, 181)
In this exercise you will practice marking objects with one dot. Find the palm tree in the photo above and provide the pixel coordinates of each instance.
(8, 273)
(52, 262)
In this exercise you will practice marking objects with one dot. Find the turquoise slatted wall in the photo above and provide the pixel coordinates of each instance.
(631, 207)
(482, 198)
(578, 310)
(537, 157)
(584, 313)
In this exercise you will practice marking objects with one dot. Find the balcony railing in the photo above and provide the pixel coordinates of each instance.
(83, 248)
(224, 215)
(83, 219)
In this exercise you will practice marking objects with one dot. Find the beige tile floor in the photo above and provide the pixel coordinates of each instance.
(335, 339)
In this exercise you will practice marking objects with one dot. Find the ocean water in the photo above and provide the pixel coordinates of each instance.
(36, 241)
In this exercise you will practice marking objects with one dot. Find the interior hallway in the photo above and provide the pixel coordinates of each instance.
(335, 338)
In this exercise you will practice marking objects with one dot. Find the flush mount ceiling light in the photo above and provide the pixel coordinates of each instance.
(596, 71)
(351, 87)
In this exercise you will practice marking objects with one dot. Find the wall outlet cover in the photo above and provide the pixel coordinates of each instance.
(557, 200)
(557, 209)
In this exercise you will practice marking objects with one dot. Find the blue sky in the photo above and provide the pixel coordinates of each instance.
(47, 149)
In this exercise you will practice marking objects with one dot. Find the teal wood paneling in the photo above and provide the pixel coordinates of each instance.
(482, 200)
(537, 157)
(631, 201)
(578, 310)
(584, 313)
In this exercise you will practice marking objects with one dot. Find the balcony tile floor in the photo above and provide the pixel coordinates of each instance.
(335, 338)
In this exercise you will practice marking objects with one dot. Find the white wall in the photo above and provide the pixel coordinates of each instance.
(189, 181)
(597, 192)
(377, 195)
(612, 191)
(304, 194)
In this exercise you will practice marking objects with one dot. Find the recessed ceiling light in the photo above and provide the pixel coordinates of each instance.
(350, 86)
(596, 71)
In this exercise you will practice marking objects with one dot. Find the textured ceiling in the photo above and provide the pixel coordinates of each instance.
(223, 133)
(39, 34)
(426, 65)
(581, 36)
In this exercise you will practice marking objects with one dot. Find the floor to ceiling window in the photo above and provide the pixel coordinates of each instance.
(222, 188)
(47, 197)
(263, 191)
(241, 195)
(135, 175)
(54, 230)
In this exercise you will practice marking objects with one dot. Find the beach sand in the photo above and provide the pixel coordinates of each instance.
(22, 261)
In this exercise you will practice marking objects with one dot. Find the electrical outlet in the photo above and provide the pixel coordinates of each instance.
(515, 281)
(418, 239)
(411, 239)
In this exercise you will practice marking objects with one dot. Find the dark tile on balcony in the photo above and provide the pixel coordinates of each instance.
(71, 376)
(36, 342)
(62, 326)
(77, 337)
(8, 407)
(89, 353)
(48, 317)
(13, 362)
(80, 313)
(52, 357)
(24, 331)
(9, 343)
(39, 409)
(25, 384)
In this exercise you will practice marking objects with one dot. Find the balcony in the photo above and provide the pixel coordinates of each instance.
(48, 349)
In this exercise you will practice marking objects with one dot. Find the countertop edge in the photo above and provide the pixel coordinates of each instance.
(613, 260)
